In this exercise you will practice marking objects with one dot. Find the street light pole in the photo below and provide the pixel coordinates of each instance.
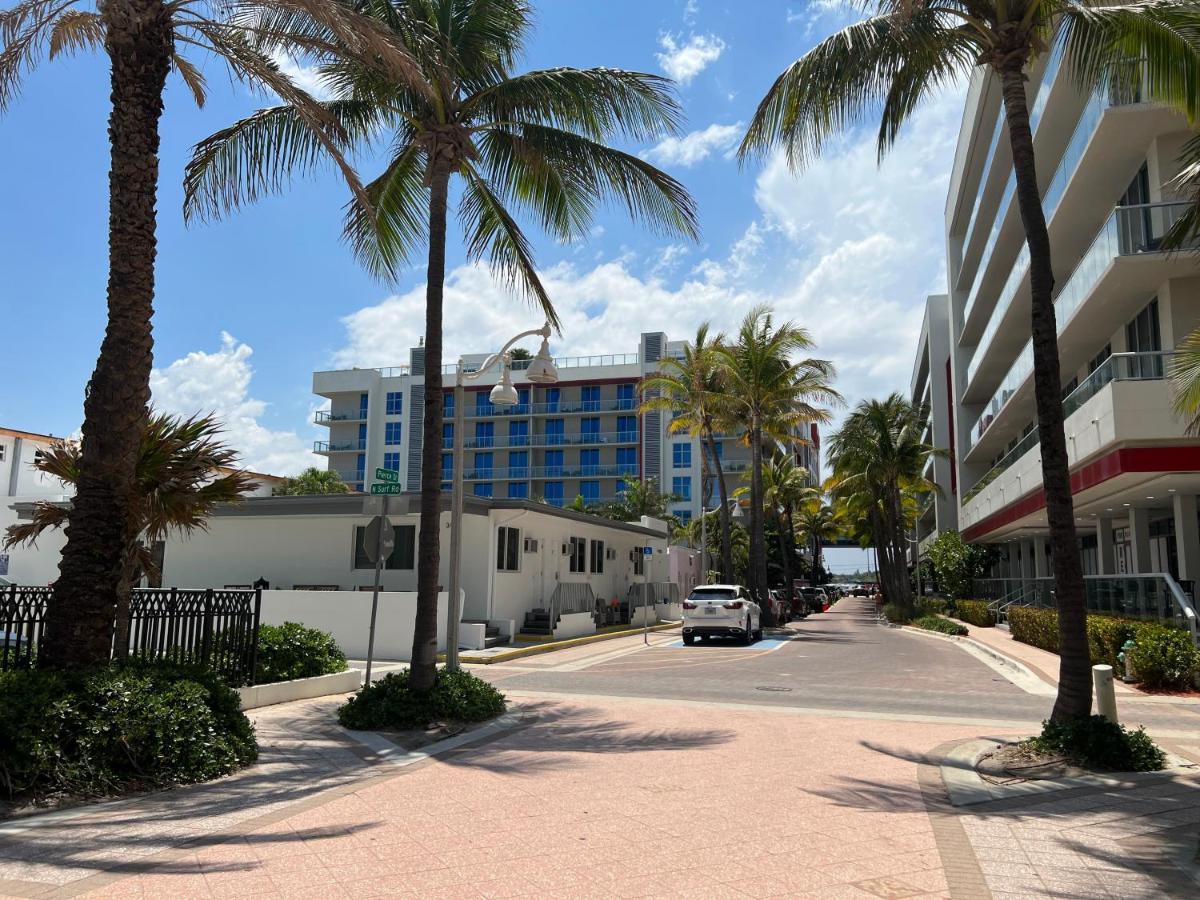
(540, 371)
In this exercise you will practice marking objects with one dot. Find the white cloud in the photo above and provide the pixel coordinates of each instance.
(685, 61)
(824, 14)
(305, 77)
(219, 383)
(690, 9)
(695, 146)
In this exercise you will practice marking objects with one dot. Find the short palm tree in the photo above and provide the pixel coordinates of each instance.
(689, 390)
(768, 395)
(785, 487)
(143, 41)
(312, 481)
(878, 457)
(532, 143)
(906, 50)
(183, 471)
(816, 522)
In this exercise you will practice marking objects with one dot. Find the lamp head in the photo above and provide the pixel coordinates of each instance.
(504, 394)
(542, 369)
(738, 513)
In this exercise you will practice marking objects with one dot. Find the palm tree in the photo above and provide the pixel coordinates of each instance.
(183, 471)
(768, 396)
(817, 522)
(878, 456)
(689, 389)
(637, 498)
(312, 481)
(142, 39)
(533, 143)
(895, 58)
(785, 487)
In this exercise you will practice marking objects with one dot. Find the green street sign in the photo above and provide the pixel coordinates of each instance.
(386, 489)
(387, 475)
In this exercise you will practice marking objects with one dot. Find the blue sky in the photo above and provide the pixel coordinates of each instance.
(249, 307)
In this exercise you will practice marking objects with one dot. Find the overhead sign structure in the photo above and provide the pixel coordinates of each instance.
(386, 489)
(389, 475)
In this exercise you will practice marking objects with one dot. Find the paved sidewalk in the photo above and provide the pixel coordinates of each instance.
(612, 798)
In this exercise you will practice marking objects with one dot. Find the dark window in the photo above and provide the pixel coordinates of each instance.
(598, 557)
(402, 553)
(578, 554)
(639, 562)
(1142, 336)
(508, 550)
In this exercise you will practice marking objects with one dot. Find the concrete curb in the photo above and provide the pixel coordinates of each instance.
(259, 695)
(394, 755)
(518, 652)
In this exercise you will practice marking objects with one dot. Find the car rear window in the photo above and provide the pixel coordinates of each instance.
(711, 595)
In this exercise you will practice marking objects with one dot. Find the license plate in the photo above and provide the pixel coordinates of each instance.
(710, 610)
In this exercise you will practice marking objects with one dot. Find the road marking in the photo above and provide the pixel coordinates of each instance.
(760, 646)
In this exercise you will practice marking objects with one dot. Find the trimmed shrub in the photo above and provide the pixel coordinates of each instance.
(896, 614)
(125, 727)
(1164, 657)
(938, 624)
(1096, 742)
(933, 606)
(975, 612)
(390, 703)
(292, 650)
(1106, 636)
(1034, 626)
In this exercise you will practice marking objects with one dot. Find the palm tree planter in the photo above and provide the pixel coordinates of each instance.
(533, 143)
(894, 59)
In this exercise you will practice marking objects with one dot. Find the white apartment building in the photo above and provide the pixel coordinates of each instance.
(21, 482)
(1122, 305)
(580, 437)
(932, 388)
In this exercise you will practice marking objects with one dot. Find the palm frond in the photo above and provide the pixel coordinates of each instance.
(192, 77)
(384, 234)
(75, 30)
(1185, 381)
(25, 31)
(1185, 232)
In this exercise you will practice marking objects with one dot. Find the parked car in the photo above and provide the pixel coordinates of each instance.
(816, 599)
(721, 610)
(780, 606)
(864, 590)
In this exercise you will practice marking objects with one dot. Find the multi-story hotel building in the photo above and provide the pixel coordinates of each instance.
(932, 390)
(1122, 304)
(582, 436)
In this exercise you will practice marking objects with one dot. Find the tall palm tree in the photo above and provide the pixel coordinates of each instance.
(817, 522)
(908, 49)
(183, 472)
(534, 143)
(768, 396)
(689, 389)
(142, 40)
(785, 487)
(878, 457)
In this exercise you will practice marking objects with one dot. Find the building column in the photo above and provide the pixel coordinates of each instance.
(1139, 540)
(1041, 568)
(1106, 553)
(1187, 537)
(1026, 559)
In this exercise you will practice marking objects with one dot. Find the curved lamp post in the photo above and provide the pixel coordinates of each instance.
(541, 371)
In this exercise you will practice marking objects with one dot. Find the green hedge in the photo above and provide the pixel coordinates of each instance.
(120, 728)
(975, 612)
(390, 704)
(1162, 657)
(1097, 743)
(940, 625)
(291, 650)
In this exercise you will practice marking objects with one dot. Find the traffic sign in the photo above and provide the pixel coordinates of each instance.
(387, 475)
(378, 539)
(647, 551)
(386, 489)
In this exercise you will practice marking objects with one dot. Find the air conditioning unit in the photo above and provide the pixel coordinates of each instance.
(610, 553)
(566, 549)
(531, 545)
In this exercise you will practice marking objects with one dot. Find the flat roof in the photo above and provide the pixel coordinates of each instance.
(16, 432)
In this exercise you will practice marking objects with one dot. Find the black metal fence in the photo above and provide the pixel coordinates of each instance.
(213, 628)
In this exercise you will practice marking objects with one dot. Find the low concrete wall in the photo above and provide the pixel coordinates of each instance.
(301, 689)
(575, 625)
(471, 635)
(347, 616)
(669, 612)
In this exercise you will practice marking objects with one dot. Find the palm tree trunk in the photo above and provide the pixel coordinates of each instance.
(785, 552)
(79, 623)
(758, 538)
(726, 544)
(900, 560)
(423, 668)
(1074, 682)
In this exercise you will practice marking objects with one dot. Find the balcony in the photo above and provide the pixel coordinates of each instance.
(328, 447)
(325, 417)
(524, 473)
(562, 407)
(595, 439)
(1117, 275)
(353, 479)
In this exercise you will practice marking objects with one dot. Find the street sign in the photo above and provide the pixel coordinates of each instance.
(647, 551)
(386, 489)
(387, 475)
(379, 536)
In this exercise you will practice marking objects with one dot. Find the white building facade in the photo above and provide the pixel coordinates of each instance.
(21, 482)
(581, 437)
(1105, 163)
(932, 389)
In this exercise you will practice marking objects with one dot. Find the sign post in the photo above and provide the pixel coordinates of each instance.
(647, 556)
(378, 540)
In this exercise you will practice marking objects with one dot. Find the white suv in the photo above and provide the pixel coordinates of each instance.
(721, 610)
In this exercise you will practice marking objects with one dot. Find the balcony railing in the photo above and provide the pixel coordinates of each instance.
(1129, 231)
(1118, 367)
(325, 417)
(352, 478)
(522, 473)
(561, 502)
(547, 440)
(339, 446)
(561, 407)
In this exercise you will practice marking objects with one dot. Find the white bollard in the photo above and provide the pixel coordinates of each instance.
(1106, 694)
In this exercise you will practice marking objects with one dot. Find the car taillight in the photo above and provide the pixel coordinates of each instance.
(687, 605)
(736, 604)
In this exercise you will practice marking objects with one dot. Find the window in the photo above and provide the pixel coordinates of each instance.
(1142, 336)
(522, 400)
(627, 461)
(554, 431)
(597, 557)
(362, 437)
(578, 550)
(590, 491)
(684, 516)
(508, 549)
(590, 397)
(518, 434)
(518, 464)
(485, 434)
(448, 404)
(625, 398)
(483, 489)
(589, 461)
(3, 452)
(447, 435)
(554, 462)
(362, 405)
(554, 493)
(639, 562)
(681, 486)
(552, 397)
(402, 552)
(681, 455)
(360, 466)
(392, 432)
(483, 403)
(1099, 359)
(590, 426)
(627, 429)
(720, 454)
(483, 464)
(391, 461)
(518, 490)
(395, 403)
(447, 466)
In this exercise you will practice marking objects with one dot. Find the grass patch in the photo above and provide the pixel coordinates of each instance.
(940, 625)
